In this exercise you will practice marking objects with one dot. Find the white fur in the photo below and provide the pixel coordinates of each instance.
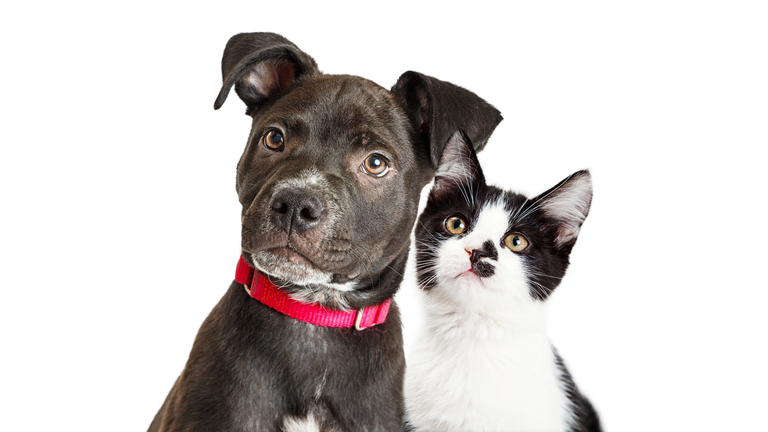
(307, 424)
(483, 361)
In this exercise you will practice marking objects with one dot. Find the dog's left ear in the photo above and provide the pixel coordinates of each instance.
(261, 65)
(437, 109)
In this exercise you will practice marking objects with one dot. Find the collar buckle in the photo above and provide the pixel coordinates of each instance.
(359, 320)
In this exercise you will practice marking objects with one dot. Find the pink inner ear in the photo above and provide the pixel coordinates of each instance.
(269, 76)
(285, 73)
(570, 205)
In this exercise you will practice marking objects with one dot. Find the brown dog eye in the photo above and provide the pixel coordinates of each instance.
(375, 165)
(455, 225)
(273, 140)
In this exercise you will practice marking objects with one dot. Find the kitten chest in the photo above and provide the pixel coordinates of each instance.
(479, 376)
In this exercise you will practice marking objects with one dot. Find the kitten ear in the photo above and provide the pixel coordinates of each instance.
(458, 164)
(568, 203)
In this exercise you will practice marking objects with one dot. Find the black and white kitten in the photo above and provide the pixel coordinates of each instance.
(488, 260)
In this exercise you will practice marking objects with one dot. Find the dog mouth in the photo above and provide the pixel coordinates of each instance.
(290, 255)
(302, 279)
(288, 265)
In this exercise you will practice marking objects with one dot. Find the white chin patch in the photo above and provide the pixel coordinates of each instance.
(298, 274)
(295, 273)
(306, 424)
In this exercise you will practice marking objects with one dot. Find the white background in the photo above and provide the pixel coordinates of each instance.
(119, 223)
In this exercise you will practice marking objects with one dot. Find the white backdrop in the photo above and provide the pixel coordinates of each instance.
(119, 225)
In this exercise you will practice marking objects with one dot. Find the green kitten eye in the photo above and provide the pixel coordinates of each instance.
(455, 225)
(516, 242)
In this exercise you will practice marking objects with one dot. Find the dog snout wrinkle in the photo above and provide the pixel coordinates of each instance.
(296, 210)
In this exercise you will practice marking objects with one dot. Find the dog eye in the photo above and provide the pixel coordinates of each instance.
(273, 140)
(455, 225)
(375, 165)
(516, 242)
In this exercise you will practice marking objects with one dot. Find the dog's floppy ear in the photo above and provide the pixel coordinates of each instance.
(260, 65)
(438, 109)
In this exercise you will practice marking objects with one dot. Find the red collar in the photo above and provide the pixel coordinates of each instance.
(266, 292)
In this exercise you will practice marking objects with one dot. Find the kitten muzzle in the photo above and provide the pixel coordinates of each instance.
(483, 269)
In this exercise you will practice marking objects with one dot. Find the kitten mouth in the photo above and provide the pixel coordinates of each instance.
(479, 270)
(469, 274)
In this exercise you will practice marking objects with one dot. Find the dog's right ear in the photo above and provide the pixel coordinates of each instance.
(437, 109)
(261, 65)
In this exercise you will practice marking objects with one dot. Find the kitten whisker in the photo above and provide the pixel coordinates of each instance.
(543, 291)
(545, 275)
(515, 216)
(425, 283)
(459, 180)
(427, 230)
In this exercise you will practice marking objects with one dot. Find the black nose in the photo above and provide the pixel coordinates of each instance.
(476, 255)
(487, 251)
(483, 268)
(296, 210)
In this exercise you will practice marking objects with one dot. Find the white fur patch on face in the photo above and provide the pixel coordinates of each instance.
(307, 179)
(312, 180)
(457, 284)
(307, 424)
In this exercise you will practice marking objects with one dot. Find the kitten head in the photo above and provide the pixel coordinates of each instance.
(478, 245)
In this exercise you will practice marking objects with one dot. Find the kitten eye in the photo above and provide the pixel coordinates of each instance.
(375, 165)
(274, 140)
(516, 242)
(455, 225)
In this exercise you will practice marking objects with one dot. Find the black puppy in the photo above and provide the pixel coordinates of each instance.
(329, 183)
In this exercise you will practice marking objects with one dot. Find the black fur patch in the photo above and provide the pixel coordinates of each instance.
(585, 416)
(483, 269)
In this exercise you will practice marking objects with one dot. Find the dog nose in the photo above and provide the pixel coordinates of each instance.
(296, 210)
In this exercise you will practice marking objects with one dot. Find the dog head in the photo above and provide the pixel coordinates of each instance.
(334, 165)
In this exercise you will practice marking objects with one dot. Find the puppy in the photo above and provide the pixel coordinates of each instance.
(307, 336)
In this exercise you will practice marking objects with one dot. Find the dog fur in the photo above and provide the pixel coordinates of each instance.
(326, 231)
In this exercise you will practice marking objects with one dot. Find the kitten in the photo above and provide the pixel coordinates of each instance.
(487, 261)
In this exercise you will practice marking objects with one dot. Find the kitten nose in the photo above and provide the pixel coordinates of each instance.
(488, 250)
(296, 210)
(476, 255)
